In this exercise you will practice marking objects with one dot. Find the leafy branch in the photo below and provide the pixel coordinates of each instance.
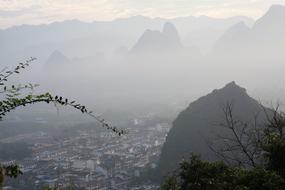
(13, 100)
(5, 74)
(11, 103)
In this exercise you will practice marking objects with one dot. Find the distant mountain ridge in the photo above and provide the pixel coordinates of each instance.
(197, 125)
(57, 59)
(266, 35)
(274, 18)
(77, 38)
(155, 41)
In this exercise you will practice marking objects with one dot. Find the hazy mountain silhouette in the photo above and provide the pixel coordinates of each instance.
(155, 41)
(237, 35)
(204, 31)
(264, 39)
(77, 38)
(197, 124)
(272, 21)
(172, 35)
(57, 59)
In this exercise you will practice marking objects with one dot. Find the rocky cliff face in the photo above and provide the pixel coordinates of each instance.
(197, 125)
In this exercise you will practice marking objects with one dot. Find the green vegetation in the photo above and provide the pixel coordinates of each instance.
(198, 175)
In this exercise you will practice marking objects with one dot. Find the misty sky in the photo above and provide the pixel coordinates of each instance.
(16, 12)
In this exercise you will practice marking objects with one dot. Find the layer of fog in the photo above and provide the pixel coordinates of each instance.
(95, 63)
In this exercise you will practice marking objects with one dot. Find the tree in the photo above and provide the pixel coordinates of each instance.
(252, 144)
(240, 144)
(273, 143)
(252, 157)
(18, 95)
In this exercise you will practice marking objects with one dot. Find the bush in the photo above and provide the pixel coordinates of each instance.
(202, 175)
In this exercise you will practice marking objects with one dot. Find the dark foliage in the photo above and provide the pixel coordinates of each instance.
(273, 143)
(202, 175)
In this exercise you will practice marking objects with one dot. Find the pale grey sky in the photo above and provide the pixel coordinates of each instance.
(16, 12)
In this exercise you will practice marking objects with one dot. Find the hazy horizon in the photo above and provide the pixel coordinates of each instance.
(15, 13)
